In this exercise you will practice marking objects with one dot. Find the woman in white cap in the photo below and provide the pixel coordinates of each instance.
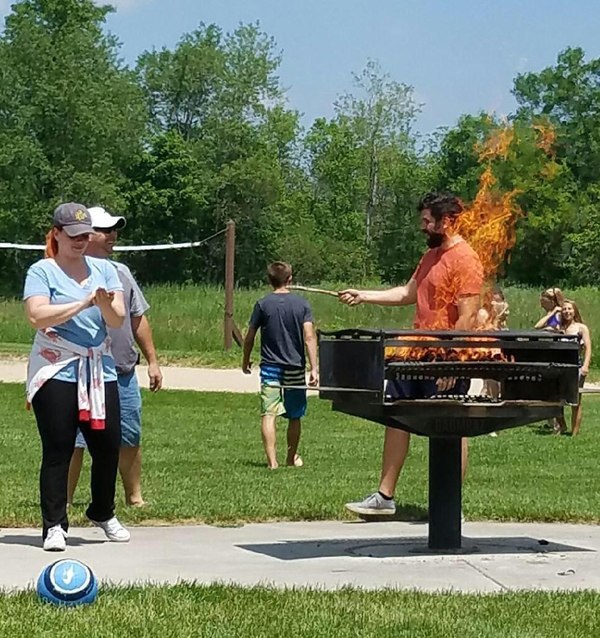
(70, 299)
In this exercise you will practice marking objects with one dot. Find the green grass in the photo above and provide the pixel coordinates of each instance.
(203, 462)
(188, 320)
(217, 611)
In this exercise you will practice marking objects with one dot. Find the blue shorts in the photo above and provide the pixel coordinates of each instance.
(131, 412)
(280, 401)
(421, 389)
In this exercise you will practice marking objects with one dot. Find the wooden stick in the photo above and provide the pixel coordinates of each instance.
(331, 293)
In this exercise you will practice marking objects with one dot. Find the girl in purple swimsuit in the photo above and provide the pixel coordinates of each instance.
(551, 301)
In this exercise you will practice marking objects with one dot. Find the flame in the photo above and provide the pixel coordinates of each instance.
(426, 353)
(496, 145)
(546, 138)
(488, 224)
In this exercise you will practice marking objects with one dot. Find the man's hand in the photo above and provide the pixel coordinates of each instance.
(247, 367)
(155, 377)
(351, 297)
(313, 378)
(584, 371)
(444, 384)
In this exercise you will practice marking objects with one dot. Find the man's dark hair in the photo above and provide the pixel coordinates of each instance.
(279, 273)
(441, 205)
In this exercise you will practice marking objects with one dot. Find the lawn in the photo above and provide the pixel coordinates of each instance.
(217, 612)
(203, 462)
(188, 320)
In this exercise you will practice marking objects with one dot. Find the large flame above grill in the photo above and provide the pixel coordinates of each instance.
(489, 226)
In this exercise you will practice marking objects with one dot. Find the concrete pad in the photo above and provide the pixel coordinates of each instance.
(496, 557)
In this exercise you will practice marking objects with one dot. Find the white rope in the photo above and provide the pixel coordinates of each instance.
(186, 244)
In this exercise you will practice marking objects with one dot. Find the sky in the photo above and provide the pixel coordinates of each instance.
(460, 56)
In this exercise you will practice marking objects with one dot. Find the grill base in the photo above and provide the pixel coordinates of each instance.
(445, 493)
(538, 375)
(448, 418)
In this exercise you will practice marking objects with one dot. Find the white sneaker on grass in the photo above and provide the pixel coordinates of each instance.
(373, 505)
(113, 529)
(56, 539)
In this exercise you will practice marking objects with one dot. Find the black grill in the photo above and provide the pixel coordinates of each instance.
(537, 373)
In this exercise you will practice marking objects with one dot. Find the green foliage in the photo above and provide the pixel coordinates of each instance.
(71, 118)
(201, 133)
(195, 610)
(523, 475)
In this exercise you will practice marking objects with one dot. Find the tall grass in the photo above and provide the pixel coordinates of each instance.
(188, 320)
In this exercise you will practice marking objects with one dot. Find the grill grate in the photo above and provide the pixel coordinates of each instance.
(476, 369)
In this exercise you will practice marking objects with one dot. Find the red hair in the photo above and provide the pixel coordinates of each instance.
(51, 249)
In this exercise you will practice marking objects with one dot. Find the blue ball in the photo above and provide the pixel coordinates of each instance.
(67, 582)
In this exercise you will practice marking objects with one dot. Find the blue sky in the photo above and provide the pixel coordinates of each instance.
(459, 55)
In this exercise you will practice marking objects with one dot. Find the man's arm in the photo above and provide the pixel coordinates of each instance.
(248, 345)
(142, 333)
(398, 296)
(468, 307)
(310, 339)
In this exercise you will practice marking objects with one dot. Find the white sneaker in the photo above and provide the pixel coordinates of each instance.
(373, 505)
(113, 529)
(56, 539)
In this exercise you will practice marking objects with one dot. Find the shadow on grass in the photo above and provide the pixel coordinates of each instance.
(546, 431)
(36, 541)
(404, 547)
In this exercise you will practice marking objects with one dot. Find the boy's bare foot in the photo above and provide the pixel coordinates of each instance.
(297, 462)
(273, 467)
(136, 502)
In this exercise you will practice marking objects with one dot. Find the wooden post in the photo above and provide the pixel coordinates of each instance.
(229, 283)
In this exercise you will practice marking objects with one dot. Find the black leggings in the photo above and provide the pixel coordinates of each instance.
(57, 415)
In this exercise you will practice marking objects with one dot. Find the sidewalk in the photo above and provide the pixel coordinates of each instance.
(496, 556)
(175, 378)
(199, 379)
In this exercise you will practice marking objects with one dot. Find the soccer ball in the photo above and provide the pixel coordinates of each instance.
(67, 582)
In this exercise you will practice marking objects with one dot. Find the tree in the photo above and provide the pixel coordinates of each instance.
(71, 117)
(381, 116)
(567, 94)
(217, 100)
(357, 162)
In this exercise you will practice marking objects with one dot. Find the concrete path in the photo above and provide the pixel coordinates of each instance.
(199, 379)
(175, 378)
(496, 556)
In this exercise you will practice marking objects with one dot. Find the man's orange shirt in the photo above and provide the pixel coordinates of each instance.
(443, 277)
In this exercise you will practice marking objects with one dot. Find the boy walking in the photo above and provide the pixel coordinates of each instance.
(286, 329)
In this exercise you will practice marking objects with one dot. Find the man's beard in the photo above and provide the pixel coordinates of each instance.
(434, 240)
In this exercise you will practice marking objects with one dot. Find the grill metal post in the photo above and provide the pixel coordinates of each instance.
(445, 457)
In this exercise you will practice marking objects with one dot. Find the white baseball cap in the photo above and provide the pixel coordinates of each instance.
(103, 219)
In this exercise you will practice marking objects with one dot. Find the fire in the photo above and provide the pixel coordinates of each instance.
(496, 145)
(428, 353)
(488, 224)
(546, 138)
